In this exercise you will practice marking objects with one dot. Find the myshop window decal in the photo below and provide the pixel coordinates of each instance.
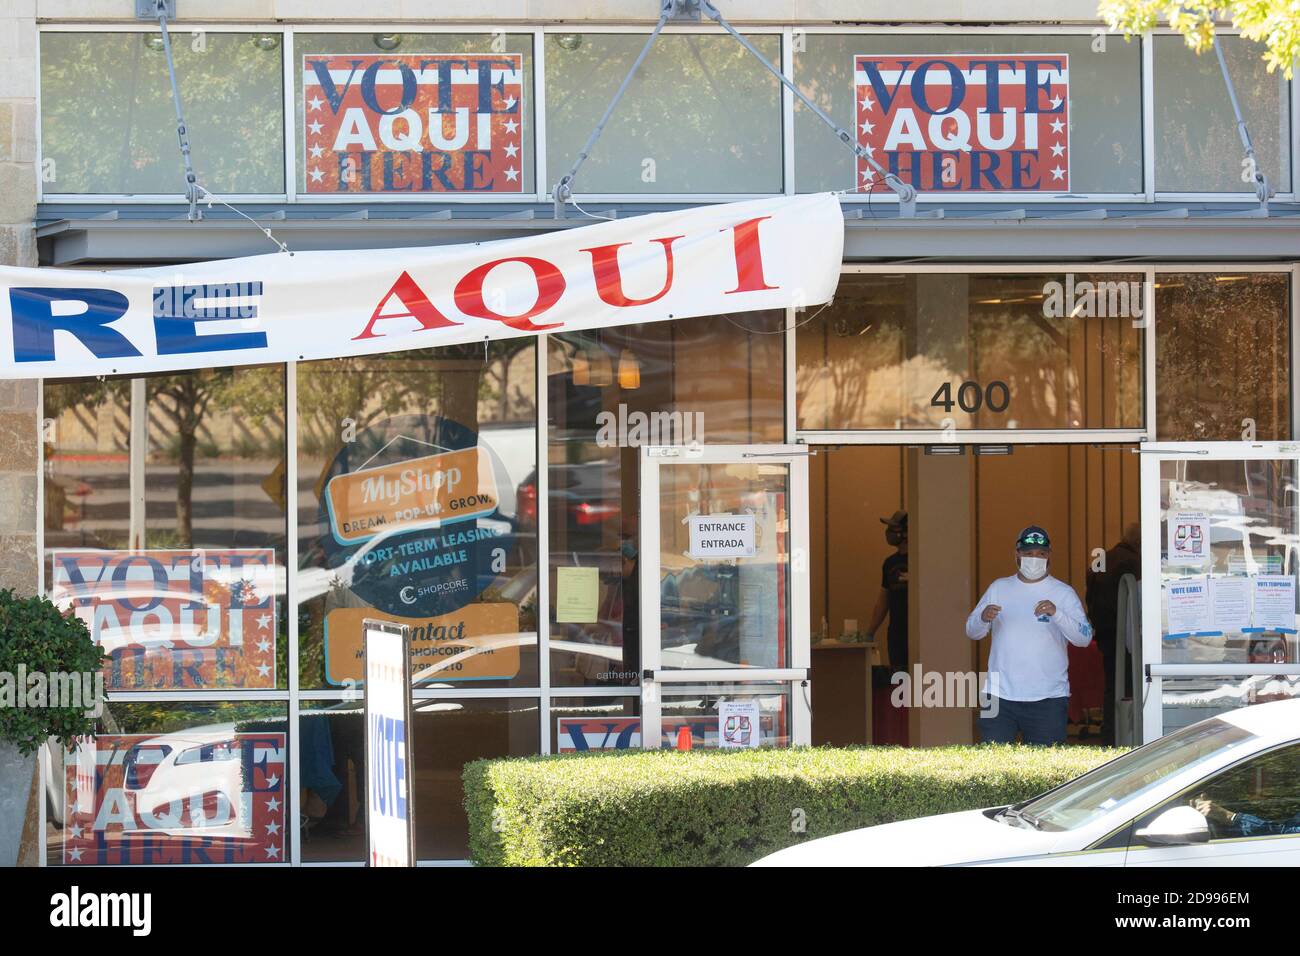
(436, 122)
(412, 534)
(970, 123)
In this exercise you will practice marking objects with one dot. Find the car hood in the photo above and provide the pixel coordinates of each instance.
(971, 836)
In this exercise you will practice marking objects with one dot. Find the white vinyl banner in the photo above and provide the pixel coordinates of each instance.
(733, 257)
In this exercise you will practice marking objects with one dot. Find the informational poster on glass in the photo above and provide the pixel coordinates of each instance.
(390, 832)
(417, 122)
(1188, 607)
(1189, 538)
(1275, 603)
(961, 123)
(1230, 599)
(208, 794)
(192, 619)
(577, 595)
(738, 723)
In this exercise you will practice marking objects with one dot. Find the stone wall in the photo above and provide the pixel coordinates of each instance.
(18, 400)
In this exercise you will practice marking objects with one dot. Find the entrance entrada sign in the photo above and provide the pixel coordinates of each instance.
(721, 536)
(710, 260)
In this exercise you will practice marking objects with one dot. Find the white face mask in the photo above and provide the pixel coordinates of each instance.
(1033, 568)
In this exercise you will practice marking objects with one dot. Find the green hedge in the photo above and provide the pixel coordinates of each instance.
(727, 808)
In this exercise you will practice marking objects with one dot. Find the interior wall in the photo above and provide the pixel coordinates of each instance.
(851, 487)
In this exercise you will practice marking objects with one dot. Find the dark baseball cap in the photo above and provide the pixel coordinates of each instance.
(897, 520)
(1032, 537)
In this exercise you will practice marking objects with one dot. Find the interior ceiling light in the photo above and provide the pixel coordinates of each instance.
(629, 370)
(267, 41)
(569, 41)
(602, 373)
(154, 42)
(387, 41)
(581, 369)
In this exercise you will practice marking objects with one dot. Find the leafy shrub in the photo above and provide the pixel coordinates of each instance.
(729, 808)
(36, 635)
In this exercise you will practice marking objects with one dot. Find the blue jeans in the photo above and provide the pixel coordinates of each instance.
(1037, 721)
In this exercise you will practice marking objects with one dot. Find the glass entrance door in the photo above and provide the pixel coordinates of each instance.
(724, 596)
(1220, 560)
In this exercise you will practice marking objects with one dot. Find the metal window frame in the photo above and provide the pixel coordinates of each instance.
(786, 32)
(792, 677)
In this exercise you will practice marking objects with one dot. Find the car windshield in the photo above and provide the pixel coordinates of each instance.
(1099, 791)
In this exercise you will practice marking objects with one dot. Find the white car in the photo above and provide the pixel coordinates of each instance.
(1221, 792)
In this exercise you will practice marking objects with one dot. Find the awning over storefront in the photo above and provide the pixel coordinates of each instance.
(131, 233)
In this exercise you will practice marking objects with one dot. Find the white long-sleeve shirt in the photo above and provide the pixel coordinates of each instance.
(1028, 660)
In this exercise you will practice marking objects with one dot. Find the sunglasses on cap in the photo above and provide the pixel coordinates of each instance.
(1034, 539)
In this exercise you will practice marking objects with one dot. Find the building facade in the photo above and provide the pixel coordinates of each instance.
(1086, 324)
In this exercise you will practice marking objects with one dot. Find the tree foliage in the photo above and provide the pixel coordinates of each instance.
(1274, 23)
(37, 636)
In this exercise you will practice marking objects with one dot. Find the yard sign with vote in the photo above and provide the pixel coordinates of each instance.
(413, 123)
(966, 123)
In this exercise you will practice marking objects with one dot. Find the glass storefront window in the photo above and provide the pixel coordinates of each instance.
(172, 784)
(1105, 103)
(1223, 347)
(1198, 148)
(413, 505)
(701, 115)
(974, 351)
(172, 548)
(108, 124)
(715, 380)
(695, 713)
(447, 734)
(1229, 538)
(414, 113)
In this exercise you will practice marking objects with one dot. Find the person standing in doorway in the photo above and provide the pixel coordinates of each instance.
(1102, 598)
(1032, 617)
(891, 722)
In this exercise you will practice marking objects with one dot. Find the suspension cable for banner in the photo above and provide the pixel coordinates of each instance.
(1263, 192)
(182, 132)
(906, 192)
(563, 191)
(194, 191)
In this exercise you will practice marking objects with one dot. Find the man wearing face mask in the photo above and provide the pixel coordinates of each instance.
(1032, 617)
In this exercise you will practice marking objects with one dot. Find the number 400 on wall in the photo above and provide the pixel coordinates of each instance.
(971, 396)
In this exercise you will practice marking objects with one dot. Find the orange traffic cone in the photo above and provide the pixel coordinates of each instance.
(684, 741)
